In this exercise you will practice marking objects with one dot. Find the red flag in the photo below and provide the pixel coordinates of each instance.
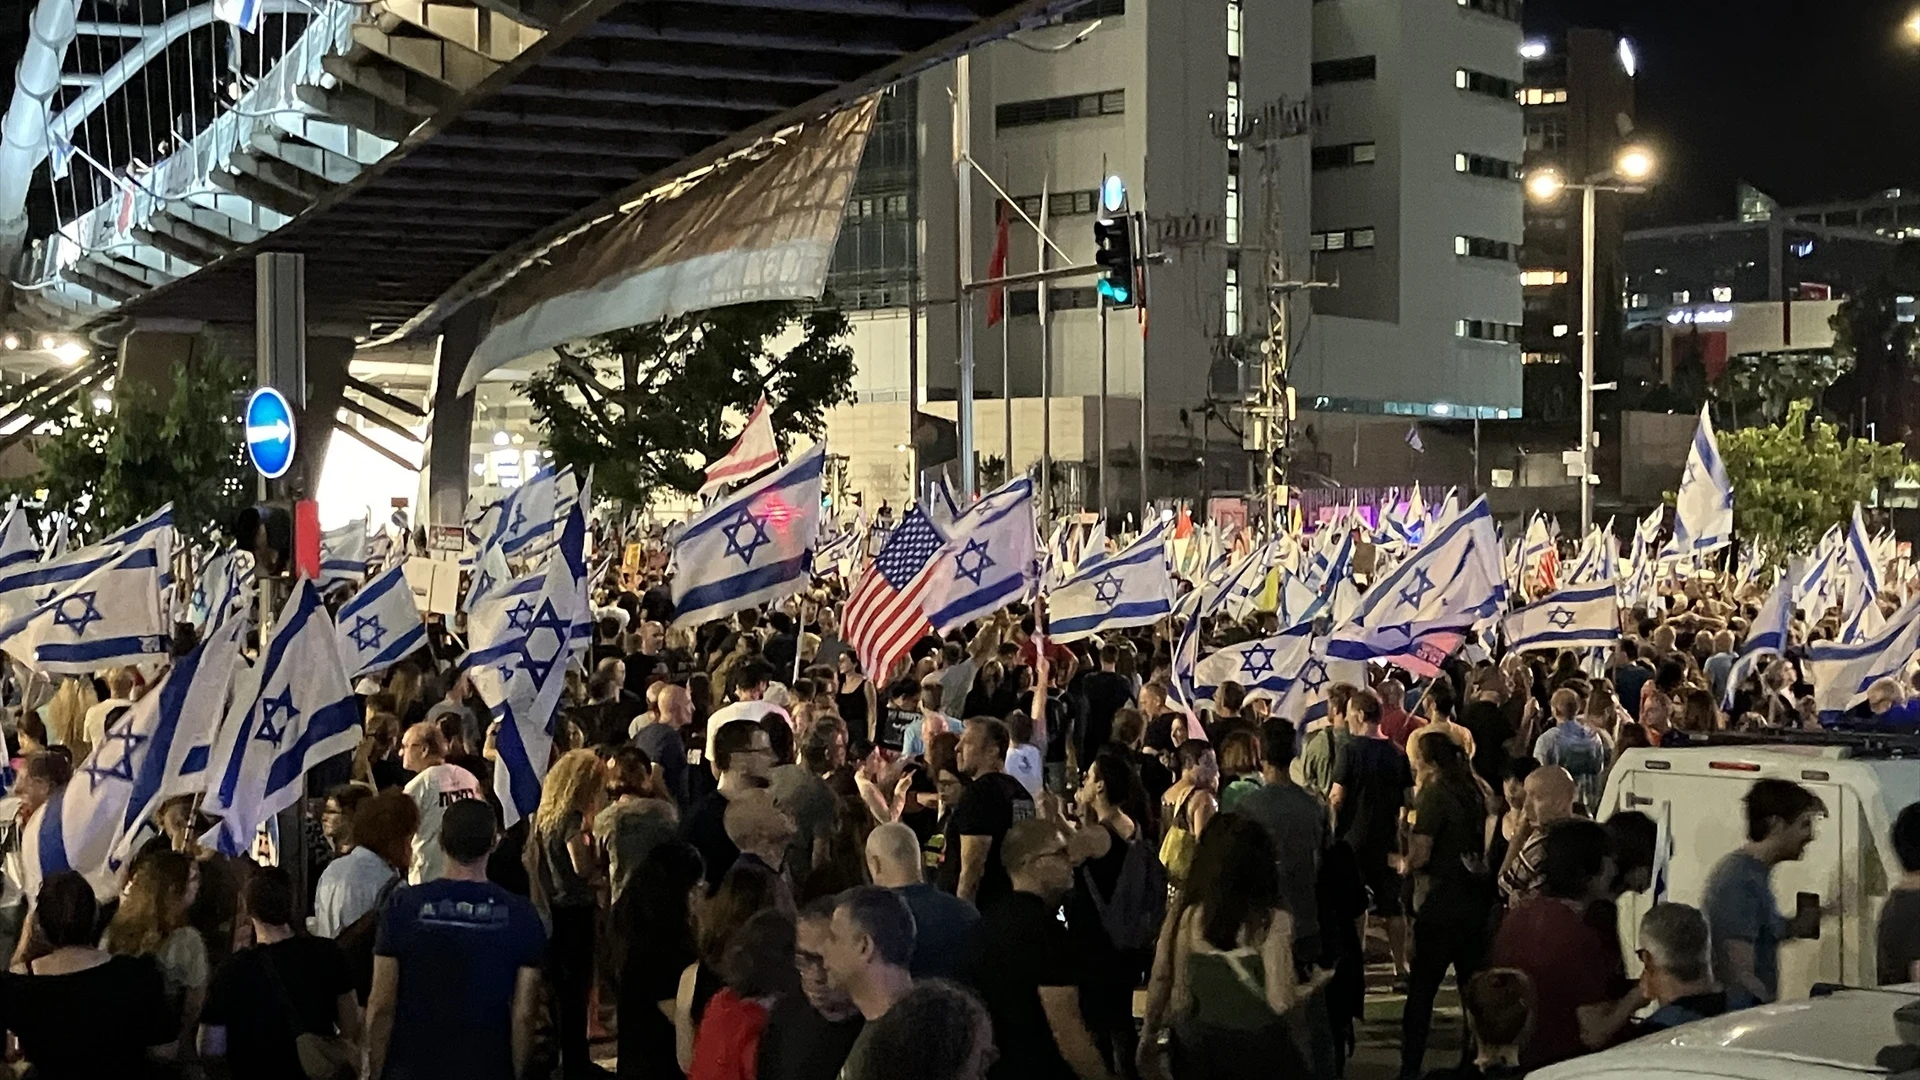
(997, 267)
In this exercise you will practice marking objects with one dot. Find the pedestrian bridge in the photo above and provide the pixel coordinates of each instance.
(410, 149)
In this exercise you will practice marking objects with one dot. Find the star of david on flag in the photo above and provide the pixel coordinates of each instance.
(1265, 669)
(993, 556)
(111, 616)
(31, 585)
(293, 711)
(1129, 588)
(381, 625)
(155, 750)
(1578, 616)
(753, 547)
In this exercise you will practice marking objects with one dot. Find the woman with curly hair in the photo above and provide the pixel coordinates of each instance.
(152, 922)
(563, 866)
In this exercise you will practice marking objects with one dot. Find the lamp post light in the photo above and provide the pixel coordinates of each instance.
(1632, 168)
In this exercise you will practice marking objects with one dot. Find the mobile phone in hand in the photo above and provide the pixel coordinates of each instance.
(1807, 913)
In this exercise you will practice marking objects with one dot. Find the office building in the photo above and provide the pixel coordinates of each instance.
(1385, 137)
(1578, 101)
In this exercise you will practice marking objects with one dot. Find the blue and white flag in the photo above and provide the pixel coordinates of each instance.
(1576, 617)
(16, 539)
(528, 519)
(1767, 635)
(1132, 587)
(1305, 698)
(1417, 615)
(753, 547)
(244, 14)
(343, 555)
(156, 750)
(25, 587)
(380, 626)
(1413, 439)
(1266, 668)
(1703, 507)
(112, 616)
(61, 541)
(990, 559)
(1863, 573)
(841, 554)
(220, 589)
(1841, 673)
(519, 666)
(941, 507)
(292, 712)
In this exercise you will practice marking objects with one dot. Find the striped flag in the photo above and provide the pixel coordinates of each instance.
(884, 616)
(753, 453)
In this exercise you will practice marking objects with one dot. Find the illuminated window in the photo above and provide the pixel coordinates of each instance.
(1233, 29)
(1479, 247)
(1543, 358)
(1543, 277)
(1492, 168)
(1534, 95)
(1479, 82)
(1723, 294)
(1561, 329)
(1233, 209)
(1682, 296)
(1232, 324)
(1487, 330)
(1639, 300)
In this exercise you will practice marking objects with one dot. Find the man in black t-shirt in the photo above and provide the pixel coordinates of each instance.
(1027, 969)
(809, 1034)
(255, 997)
(970, 865)
(1370, 783)
(1107, 692)
(901, 714)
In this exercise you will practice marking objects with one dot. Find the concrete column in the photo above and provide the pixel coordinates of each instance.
(450, 421)
(327, 362)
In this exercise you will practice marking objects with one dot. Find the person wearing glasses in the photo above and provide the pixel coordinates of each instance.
(1026, 967)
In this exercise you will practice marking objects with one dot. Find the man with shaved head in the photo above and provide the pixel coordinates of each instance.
(1550, 792)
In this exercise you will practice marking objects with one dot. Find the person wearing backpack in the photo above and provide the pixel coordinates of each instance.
(1575, 746)
(1118, 902)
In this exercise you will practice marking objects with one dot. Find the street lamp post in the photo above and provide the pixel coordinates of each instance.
(1634, 165)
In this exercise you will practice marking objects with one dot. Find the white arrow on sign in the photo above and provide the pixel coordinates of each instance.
(278, 431)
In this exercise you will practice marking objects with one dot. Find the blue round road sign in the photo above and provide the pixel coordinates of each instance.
(269, 422)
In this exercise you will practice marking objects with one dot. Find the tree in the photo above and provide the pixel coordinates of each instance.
(108, 468)
(1762, 387)
(646, 408)
(1869, 338)
(1794, 479)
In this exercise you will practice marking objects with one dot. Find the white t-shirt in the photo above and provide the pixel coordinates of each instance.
(742, 710)
(94, 724)
(433, 790)
(1025, 765)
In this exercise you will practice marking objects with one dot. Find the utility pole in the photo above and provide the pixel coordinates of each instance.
(963, 260)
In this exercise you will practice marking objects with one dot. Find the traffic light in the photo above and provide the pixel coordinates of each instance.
(1113, 243)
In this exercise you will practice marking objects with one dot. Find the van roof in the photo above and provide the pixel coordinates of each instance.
(1846, 1029)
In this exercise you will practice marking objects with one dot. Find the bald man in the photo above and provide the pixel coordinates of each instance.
(663, 742)
(1550, 793)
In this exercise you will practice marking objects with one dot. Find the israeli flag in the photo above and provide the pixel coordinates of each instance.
(1132, 587)
(990, 559)
(526, 522)
(1767, 636)
(1863, 569)
(61, 542)
(220, 589)
(25, 587)
(1304, 700)
(1576, 617)
(1841, 673)
(16, 539)
(1417, 615)
(840, 554)
(1266, 668)
(244, 14)
(292, 712)
(1703, 507)
(343, 555)
(112, 616)
(380, 626)
(520, 669)
(156, 750)
(753, 547)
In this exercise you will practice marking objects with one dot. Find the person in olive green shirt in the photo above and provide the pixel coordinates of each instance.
(1316, 761)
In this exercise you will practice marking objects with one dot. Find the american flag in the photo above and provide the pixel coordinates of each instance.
(884, 617)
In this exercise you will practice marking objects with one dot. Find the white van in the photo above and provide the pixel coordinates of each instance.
(1694, 794)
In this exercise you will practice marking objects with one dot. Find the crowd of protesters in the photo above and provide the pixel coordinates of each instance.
(1009, 858)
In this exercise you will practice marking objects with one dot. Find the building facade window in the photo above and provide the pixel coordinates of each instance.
(1024, 302)
(1232, 322)
(1344, 155)
(1492, 168)
(1479, 82)
(1639, 301)
(1012, 114)
(1479, 247)
(1487, 330)
(1499, 9)
(1723, 294)
(1547, 131)
(1543, 358)
(1341, 239)
(1534, 278)
(876, 259)
(1233, 209)
(1350, 69)
(1534, 95)
(1060, 203)
(1094, 9)
(1682, 296)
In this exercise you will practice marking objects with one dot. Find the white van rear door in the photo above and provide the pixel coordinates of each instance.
(1706, 819)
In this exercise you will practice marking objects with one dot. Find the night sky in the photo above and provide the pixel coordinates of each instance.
(1805, 99)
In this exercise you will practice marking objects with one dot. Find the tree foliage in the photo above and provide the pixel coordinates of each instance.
(110, 468)
(1878, 350)
(647, 408)
(1794, 479)
(1760, 388)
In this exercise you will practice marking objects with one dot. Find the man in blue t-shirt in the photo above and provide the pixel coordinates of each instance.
(1738, 901)
(456, 967)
